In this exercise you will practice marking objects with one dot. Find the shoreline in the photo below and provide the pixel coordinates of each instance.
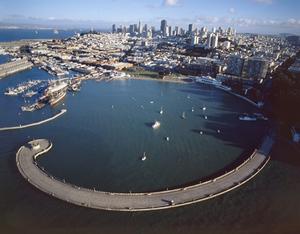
(170, 80)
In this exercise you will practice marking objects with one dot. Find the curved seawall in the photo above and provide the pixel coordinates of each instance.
(36, 123)
(28, 167)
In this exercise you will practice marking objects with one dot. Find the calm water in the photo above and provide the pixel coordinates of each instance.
(19, 34)
(96, 145)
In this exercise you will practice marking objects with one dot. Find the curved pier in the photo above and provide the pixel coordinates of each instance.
(28, 167)
(34, 124)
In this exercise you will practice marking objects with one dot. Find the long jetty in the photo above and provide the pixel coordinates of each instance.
(26, 159)
(14, 67)
(34, 124)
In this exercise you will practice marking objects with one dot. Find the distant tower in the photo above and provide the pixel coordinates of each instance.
(163, 27)
(191, 28)
(114, 29)
(169, 33)
(140, 29)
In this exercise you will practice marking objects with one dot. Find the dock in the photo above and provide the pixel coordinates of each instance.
(26, 159)
(14, 67)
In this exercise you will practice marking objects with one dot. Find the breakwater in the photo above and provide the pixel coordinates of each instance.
(36, 123)
(28, 166)
(14, 67)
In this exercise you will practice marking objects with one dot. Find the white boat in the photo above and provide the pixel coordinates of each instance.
(161, 111)
(167, 138)
(207, 80)
(144, 157)
(204, 108)
(212, 81)
(183, 115)
(193, 109)
(156, 125)
(10, 92)
(247, 117)
(30, 93)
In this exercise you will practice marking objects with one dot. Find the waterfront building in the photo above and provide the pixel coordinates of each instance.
(235, 65)
(255, 68)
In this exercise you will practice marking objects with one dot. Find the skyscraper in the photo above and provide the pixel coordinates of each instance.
(209, 40)
(114, 29)
(163, 27)
(140, 29)
(191, 28)
(214, 41)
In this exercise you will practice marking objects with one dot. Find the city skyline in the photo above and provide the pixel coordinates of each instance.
(257, 16)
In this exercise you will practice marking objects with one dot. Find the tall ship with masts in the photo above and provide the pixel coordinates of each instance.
(56, 92)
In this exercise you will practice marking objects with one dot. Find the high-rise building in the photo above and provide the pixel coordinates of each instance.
(195, 40)
(209, 40)
(140, 29)
(114, 29)
(145, 28)
(176, 31)
(214, 41)
(191, 28)
(163, 27)
(169, 33)
(131, 29)
(213, 30)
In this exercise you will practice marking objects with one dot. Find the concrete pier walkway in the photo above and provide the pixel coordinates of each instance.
(14, 67)
(34, 124)
(28, 167)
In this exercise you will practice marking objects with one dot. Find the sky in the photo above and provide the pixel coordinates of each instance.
(261, 16)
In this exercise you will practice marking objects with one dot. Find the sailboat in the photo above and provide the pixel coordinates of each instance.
(161, 111)
(183, 115)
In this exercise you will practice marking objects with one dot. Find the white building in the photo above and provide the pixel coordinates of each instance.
(195, 40)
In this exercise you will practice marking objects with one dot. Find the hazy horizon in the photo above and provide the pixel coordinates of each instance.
(253, 16)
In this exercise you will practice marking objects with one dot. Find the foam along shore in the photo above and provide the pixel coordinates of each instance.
(30, 170)
(36, 123)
